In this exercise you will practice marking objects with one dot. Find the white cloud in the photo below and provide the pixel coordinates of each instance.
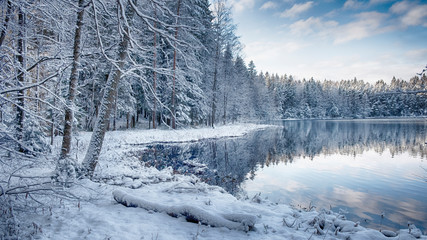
(313, 25)
(410, 14)
(326, 48)
(297, 9)
(241, 5)
(374, 2)
(310, 58)
(365, 25)
(400, 7)
(293, 186)
(353, 4)
(268, 5)
(416, 16)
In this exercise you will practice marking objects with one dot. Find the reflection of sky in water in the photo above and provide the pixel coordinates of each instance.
(364, 185)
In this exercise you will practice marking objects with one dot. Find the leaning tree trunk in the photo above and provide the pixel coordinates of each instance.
(91, 159)
(68, 124)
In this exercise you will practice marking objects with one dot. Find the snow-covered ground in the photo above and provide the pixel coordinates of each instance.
(94, 214)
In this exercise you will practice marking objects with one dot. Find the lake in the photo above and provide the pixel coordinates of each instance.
(372, 171)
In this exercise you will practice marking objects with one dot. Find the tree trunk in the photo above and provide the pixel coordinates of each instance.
(127, 120)
(191, 212)
(68, 123)
(225, 108)
(6, 22)
(154, 72)
(174, 69)
(91, 158)
(215, 82)
(52, 116)
(93, 108)
(115, 113)
(21, 78)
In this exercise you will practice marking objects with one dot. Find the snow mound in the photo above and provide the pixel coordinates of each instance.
(190, 212)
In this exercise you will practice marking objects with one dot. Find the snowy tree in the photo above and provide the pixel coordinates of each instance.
(223, 30)
(33, 59)
(239, 92)
(95, 145)
(65, 165)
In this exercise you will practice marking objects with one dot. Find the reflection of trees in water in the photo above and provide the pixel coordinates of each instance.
(230, 161)
(355, 137)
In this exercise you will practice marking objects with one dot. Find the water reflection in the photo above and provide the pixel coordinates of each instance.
(228, 161)
(364, 168)
(310, 138)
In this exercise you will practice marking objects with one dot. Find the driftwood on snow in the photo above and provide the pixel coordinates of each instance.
(195, 214)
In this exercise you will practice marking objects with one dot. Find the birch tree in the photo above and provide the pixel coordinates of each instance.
(126, 14)
(68, 122)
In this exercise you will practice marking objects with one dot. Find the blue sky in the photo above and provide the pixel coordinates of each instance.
(327, 39)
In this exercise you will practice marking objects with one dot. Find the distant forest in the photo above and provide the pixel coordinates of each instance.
(347, 98)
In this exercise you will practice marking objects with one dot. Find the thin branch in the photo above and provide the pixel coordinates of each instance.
(26, 110)
(31, 85)
(26, 188)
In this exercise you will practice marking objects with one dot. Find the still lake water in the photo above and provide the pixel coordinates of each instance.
(372, 171)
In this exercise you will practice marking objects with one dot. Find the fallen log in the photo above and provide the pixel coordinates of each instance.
(243, 222)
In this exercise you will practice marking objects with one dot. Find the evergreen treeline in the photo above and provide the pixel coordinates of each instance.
(348, 98)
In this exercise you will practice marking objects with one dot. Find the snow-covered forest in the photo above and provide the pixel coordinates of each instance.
(68, 65)
(104, 65)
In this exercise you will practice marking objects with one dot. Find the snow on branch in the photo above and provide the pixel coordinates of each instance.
(29, 86)
(423, 71)
(241, 222)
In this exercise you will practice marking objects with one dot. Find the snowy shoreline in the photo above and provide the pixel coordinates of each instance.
(96, 215)
(125, 140)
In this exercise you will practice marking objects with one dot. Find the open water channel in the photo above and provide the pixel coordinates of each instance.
(372, 171)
